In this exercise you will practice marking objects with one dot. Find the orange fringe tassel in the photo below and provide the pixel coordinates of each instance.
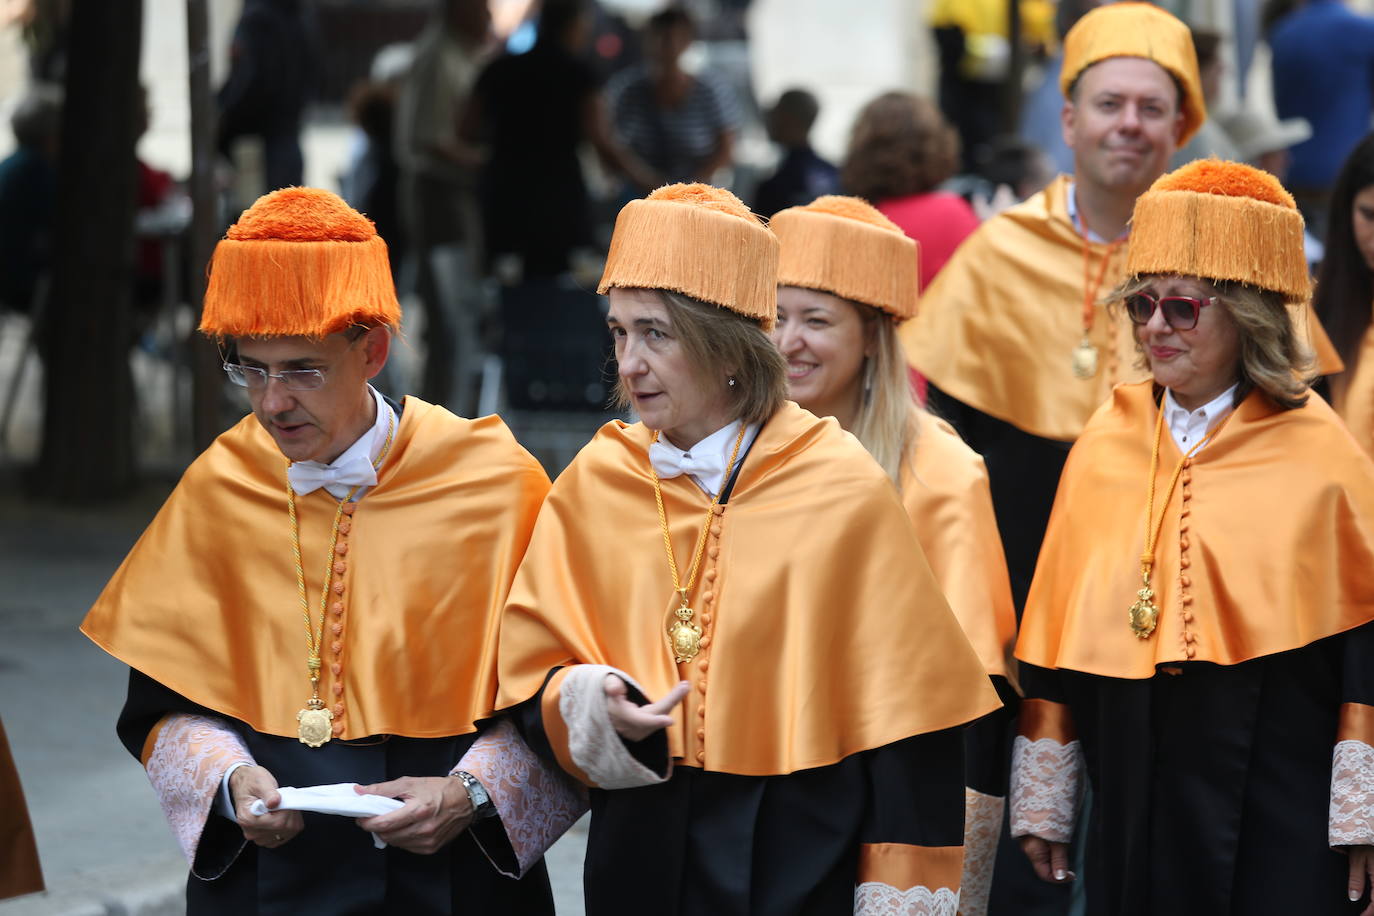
(1220, 238)
(299, 262)
(701, 242)
(843, 246)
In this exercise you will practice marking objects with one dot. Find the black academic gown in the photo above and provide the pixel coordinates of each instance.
(332, 867)
(1212, 786)
(720, 844)
(1023, 474)
(706, 843)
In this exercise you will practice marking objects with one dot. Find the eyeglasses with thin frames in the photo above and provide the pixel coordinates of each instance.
(1180, 312)
(255, 379)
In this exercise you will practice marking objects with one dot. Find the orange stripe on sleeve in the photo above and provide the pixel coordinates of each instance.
(1357, 723)
(1046, 719)
(555, 729)
(904, 867)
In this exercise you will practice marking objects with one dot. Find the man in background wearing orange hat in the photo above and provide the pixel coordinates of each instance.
(1010, 335)
(390, 533)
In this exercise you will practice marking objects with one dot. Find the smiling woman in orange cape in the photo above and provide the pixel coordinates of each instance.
(1197, 637)
(815, 759)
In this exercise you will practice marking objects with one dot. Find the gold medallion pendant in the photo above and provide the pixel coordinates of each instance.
(684, 636)
(1085, 359)
(316, 723)
(1144, 614)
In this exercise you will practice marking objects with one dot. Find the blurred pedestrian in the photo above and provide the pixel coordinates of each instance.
(900, 151)
(536, 111)
(272, 65)
(1323, 71)
(438, 195)
(802, 175)
(1211, 138)
(681, 125)
(372, 183)
(1345, 291)
(28, 197)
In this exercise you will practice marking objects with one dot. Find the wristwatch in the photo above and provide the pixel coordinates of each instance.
(482, 805)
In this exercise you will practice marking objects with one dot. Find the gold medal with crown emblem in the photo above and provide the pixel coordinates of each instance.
(684, 633)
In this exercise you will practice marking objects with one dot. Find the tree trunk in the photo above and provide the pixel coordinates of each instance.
(207, 380)
(88, 442)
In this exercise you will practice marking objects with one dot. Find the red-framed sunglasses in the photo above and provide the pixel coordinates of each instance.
(1180, 312)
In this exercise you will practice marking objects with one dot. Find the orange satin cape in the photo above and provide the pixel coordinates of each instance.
(20, 872)
(1274, 552)
(997, 327)
(1352, 394)
(945, 491)
(828, 633)
(207, 603)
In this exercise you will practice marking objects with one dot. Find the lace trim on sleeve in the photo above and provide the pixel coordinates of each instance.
(874, 898)
(592, 742)
(1046, 780)
(186, 767)
(1352, 794)
(982, 828)
(537, 802)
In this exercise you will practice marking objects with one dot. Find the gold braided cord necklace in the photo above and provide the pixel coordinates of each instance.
(684, 634)
(315, 720)
(1144, 614)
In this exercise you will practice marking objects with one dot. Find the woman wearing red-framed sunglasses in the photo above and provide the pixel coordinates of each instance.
(1199, 636)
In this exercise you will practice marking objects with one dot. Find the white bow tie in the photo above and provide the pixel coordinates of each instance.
(306, 477)
(668, 463)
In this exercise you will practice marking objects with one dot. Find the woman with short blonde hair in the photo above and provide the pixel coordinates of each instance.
(750, 569)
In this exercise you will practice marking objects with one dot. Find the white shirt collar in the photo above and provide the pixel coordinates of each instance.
(1071, 204)
(711, 454)
(1188, 427)
(369, 444)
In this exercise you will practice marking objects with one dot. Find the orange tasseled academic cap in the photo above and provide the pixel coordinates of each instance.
(700, 241)
(1221, 221)
(1137, 30)
(844, 246)
(299, 262)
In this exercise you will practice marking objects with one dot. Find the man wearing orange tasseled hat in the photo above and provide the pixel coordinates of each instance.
(1011, 335)
(389, 532)
(1199, 637)
(750, 568)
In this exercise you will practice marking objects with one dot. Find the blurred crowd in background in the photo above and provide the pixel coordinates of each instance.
(492, 142)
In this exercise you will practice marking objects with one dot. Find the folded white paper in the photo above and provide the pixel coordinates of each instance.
(340, 799)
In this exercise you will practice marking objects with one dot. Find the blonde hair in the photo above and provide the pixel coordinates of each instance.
(722, 343)
(886, 421)
(1272, 356)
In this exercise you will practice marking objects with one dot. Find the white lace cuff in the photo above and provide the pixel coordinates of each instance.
(186, 766)
(1046, 779)
(593, 744)
(1352, 794)
(536, 802)
(982, 827)
(873, 898)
